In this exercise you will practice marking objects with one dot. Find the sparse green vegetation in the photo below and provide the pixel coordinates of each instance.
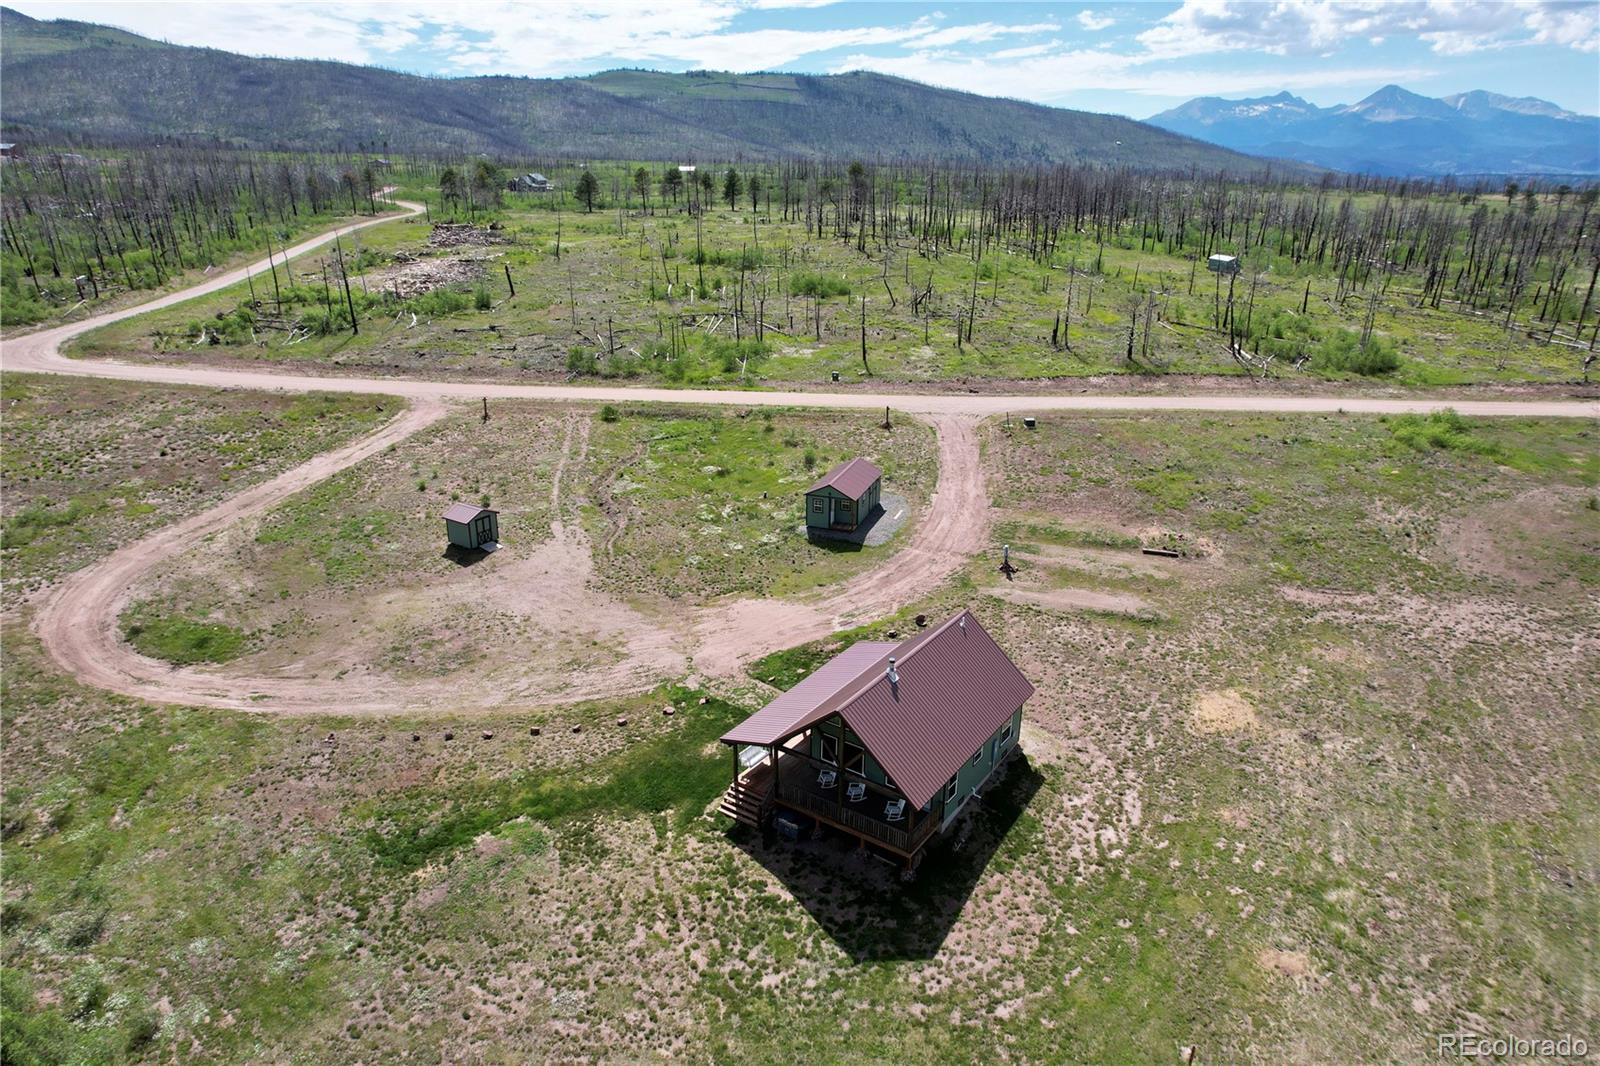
(703, 294)
(245, 885)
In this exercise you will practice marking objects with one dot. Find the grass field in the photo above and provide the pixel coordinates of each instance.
(88, 466)
(698, 504)
(1318, 788)
(654, 293)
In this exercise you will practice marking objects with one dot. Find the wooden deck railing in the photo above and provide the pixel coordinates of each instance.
(902, 840)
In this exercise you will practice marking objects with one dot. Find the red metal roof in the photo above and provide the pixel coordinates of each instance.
(852, 478)
(464, 512)
(799, 707)
(956, 687)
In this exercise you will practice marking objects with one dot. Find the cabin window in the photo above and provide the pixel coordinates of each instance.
(829, 749)
(855, 759)
(1004, 738)
(817, 507)
(950, 791)
(977, 757)
(847, 505)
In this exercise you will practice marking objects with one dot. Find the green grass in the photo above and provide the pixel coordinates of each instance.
(670, 773)
(88, 467)
(699, 504)
(180, 639)
(1441, 429)
(36, 520)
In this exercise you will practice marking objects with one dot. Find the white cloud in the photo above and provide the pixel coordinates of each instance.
(517, 38)
(1053, 77)
(1449, 27)
(978, 32)
(1094, 23)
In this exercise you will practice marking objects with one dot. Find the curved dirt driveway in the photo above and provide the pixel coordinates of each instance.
(78, 623)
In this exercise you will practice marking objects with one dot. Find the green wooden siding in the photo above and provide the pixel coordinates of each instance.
(978, 766)
(871, 770)
(828, 507)
(473, 534)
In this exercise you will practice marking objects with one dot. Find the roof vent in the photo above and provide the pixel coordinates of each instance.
(962, 623)
(893, 674)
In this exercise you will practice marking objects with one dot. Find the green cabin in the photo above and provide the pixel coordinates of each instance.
(845, 497)
(888, 742)
(471, 528)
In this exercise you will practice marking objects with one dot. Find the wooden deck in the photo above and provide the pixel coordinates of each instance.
(752, 795)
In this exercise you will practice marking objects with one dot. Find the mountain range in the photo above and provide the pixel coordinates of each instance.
(79, 82)
(1397, 132)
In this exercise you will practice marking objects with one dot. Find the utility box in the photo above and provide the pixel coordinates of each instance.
(1223, 264)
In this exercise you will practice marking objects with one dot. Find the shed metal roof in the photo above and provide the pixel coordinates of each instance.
(852, 478)
(465, 512)
(955, 687)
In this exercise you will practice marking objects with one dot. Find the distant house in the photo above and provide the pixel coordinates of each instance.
(7, 149)
(886, 742)
(530, 183)
(1223, 264)
(380, 164)
(844, 498)
(686, 169)
(471, 527)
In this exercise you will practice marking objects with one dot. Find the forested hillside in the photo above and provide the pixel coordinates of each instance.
(75, 81)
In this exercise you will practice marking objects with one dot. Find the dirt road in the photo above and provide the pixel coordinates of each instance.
(78, 623)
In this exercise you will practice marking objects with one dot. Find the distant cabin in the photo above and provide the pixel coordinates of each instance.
(534, 182)
(685, 169)
(471, 527)
(887, 742)
(845, 497)
(1223, 264)
(7, 149)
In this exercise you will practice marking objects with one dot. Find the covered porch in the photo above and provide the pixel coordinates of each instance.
(785, 775)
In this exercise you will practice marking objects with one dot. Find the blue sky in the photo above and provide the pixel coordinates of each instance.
(1129, 58)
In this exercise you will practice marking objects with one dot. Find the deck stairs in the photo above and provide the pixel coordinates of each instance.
(748, 798)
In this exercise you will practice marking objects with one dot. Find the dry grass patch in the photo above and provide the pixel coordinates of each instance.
(1223, 711)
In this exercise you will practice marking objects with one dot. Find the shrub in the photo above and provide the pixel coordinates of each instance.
(1342, 351)
(732, 355)
(810, 459)
(581, 360)
(1442, 429)
(482, 298)
(437, 303)
(608, 413)
(27, 524)
(1283, 335)
(819, 285)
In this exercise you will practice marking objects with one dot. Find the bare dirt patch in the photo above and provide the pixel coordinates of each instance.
(415, 277)
(1295, 964)
(1506, 540)
(1072, 599)
(462, 234)
(1223, 711)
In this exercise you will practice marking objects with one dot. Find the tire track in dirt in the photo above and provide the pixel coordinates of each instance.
(954, 529)
(77, 623)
